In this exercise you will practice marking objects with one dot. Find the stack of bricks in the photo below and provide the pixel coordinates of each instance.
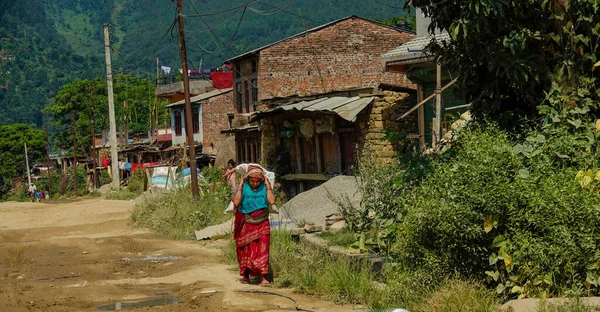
(381, 118)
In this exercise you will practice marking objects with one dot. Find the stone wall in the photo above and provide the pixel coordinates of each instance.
(214, 119)
(381, 117)
(268, 141)
(340, 56)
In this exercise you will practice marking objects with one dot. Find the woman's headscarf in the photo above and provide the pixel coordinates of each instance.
(255, 172)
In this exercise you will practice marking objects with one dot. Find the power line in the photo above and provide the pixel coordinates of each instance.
(215, 27)
(219, 12)
(284, 11)
(237, 27)
(155, 49)
(139, 34)
(271, 12)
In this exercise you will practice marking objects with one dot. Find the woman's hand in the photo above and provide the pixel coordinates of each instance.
(237, 197)
(270, 196)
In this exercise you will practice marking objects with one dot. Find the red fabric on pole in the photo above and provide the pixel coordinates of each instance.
(221, 80)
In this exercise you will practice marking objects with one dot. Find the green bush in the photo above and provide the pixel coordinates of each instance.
(178, 215)
(492, 212)
(212, 174)
(121, 194)
(136, 182)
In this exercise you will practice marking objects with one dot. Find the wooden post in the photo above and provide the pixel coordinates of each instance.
(246, 151)
(74, 152)
(438, 106)
(146, 174)
(167, 180)
(298, 153)
(148, 178)
(188, 106)
(111, 112)
(48, 162)
(94, 180)
(318, 146)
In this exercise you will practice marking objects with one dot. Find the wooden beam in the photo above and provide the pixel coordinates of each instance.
(458, 107)
(428, 98)
(421, 115)
(305, 177)
(318, 146)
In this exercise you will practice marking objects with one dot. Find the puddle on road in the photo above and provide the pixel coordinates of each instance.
(117, 306)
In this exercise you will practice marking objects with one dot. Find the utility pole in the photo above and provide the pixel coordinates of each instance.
(188, 106)
(111, 113)
(48, 162)
(437, 125)
(27, 164)
(157, 73)
(93, 138)
(74, 152)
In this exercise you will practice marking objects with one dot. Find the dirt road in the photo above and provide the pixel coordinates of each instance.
(86, 255)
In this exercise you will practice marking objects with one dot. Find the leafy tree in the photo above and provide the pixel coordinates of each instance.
(12, 153)
(137, 93)
(510, 53)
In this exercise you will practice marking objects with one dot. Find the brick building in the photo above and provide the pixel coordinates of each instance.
(277, 88)
(212, 112)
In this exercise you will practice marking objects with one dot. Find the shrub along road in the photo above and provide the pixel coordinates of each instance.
(83, 254)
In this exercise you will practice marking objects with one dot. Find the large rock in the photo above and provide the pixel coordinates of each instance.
(534, 304)
(315, 205)
(226, 152)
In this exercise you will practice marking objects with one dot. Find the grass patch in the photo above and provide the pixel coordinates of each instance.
(343, 237)
(177, 215)
(122, 194)
(314, 272)
(460, 295)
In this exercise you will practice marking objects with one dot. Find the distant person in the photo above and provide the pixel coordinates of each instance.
(31, 191)
(252, 230)
(229, 174)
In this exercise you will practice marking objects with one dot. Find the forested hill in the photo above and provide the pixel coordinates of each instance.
(57, 41)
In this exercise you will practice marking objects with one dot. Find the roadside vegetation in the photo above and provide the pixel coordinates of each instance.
(177, 215)
(134, 188)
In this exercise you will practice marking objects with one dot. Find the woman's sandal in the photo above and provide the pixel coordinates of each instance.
(264, 283)
(245, 281)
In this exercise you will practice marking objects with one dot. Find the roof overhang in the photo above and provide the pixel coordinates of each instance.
(201, 97)
(241, 129)
(347, 108)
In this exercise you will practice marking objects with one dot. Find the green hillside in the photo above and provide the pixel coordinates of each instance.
(59, 41)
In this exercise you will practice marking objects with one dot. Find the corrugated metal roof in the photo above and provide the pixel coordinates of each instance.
(412, 49)
(201, 97)
(345, 107)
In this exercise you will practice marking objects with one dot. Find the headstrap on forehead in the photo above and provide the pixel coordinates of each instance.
(255, 173)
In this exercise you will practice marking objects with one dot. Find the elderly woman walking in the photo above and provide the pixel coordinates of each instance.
(252, 229)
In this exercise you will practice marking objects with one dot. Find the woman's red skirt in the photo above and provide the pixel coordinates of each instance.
(252, 244)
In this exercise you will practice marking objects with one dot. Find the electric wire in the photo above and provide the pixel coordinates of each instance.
(271, 12)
